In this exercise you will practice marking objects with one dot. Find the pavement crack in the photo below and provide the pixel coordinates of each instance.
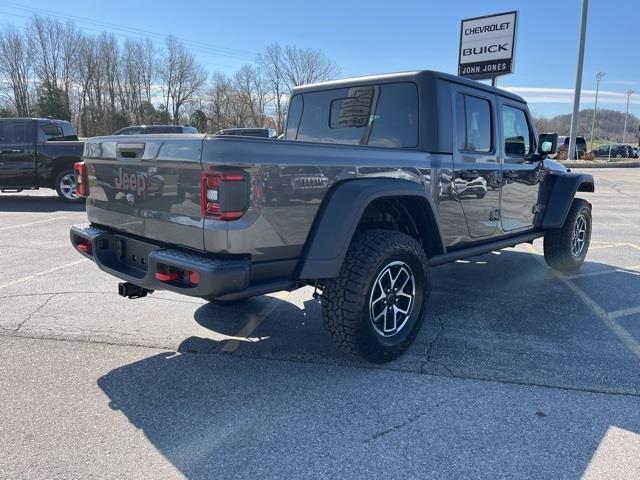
(30, 316)
(409, 421)
(430, 347)
(321, 361)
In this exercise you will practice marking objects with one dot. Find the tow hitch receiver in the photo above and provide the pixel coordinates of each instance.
(130, 290)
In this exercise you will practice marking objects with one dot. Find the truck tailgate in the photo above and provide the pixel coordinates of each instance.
(147, 185)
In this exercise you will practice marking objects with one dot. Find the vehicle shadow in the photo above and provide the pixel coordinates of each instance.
(500, 317)
(36, 203)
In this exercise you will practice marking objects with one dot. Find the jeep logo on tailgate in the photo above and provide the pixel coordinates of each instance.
(133, 182)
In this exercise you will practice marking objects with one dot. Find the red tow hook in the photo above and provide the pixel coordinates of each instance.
(168, 277)
(84, 246)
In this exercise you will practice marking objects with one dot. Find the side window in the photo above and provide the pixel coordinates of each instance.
(378, 115)
(395, 122)
(516, 131)
(336, 116)
(50, 132)
(473, 116)
(155, 130)
(13, 132)
(131, 131)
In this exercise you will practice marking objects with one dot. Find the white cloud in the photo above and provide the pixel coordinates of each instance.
(565, 95)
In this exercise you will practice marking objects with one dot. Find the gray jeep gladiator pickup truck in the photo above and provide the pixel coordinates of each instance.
(404, 172)
(39, 152)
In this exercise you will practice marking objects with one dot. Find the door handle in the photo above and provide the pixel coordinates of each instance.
(12, 150)
(468, 174)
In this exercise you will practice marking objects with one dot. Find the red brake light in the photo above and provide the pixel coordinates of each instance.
(82, 187)
(224, 195)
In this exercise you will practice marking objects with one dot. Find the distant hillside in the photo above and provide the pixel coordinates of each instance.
(609, 125)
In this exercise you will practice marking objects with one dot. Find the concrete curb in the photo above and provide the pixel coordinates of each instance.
(588, 164)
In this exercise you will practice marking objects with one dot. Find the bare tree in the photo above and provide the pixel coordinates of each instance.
(271, 62)
(306, 65)
(87, 69)
(182, 76)
(15, 68)
(137, 75)
(251, 91)
(54, 46)
(101, 83)
(218, 104)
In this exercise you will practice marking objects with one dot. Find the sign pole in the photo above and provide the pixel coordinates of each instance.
(576, 95)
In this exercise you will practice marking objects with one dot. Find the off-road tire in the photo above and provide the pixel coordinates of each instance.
(346, 299)
(558, 242)
(64, 194)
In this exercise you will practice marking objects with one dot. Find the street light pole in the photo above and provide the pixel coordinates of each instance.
(599, 76)
(626, 117)
(576, 95)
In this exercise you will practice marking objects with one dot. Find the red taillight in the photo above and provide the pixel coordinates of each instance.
(82, 187)
(225, 195)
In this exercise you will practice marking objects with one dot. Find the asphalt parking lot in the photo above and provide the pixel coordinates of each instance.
(518, 372)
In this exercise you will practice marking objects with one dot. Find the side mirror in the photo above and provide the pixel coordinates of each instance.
(547, 143)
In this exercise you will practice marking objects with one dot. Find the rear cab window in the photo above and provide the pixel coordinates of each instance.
(50, 132)
(474, 123)
(384, 115)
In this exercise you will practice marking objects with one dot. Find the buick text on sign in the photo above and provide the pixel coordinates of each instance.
(487, 45)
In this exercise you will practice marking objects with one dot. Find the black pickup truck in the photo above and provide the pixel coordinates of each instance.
(39, 152)
(400, 173)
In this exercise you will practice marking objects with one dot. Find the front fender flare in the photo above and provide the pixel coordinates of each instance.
(340, 214)
(561, 196)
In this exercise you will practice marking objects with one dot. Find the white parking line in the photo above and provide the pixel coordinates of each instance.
(601, 245)
(37, 222)
(602, 272)
(618, 330)
(625, 312)
(254, 322)
(39, 274)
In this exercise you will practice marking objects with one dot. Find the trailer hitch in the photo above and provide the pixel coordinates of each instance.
(131, 290)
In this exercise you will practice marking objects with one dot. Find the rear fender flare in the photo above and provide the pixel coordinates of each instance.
(341, 211)
(59, 165)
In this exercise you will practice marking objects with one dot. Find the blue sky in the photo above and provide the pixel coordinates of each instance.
(376, 37)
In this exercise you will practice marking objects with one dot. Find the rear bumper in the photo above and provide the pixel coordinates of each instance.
(138, 261)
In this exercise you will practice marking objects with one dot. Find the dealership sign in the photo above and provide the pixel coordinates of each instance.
(487, 45)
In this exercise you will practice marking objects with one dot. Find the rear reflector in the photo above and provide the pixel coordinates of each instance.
(194, 278)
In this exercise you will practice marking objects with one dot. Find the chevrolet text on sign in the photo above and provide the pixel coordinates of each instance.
(487, 45)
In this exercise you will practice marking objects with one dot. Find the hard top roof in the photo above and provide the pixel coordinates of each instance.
(417, 76)
(52, 120)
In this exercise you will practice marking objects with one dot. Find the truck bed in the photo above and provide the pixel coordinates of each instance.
(289, 180)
